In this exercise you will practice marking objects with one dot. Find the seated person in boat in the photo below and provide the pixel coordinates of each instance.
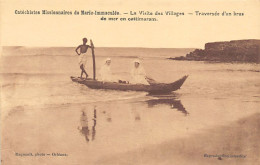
(105, 73)
(83, 56)
(138, 75)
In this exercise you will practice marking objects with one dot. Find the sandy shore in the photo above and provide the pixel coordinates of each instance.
(235, 143)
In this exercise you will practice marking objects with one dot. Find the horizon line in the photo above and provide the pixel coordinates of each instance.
(248, 39)
(103, 47)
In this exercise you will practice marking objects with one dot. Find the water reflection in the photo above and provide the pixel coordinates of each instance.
(135, 112)
(171, 100)
(94, 124)
(131, 112)
(84, 125)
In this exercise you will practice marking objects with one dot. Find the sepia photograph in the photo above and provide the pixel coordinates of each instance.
(130, 83)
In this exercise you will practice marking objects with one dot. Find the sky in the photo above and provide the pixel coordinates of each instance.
(189, 31)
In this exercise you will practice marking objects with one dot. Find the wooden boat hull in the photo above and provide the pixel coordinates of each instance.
(157, 88)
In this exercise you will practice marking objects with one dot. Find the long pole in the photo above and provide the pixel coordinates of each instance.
(93, 57)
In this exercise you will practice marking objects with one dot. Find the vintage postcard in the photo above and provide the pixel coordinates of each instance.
(130, 83)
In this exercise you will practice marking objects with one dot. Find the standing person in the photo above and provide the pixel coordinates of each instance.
(138, 74)
(83, 56)
(105, 71)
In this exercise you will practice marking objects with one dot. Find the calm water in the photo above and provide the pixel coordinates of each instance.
(45, 111)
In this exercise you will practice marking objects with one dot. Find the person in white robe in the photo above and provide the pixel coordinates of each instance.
(105, 73)
(138, 75)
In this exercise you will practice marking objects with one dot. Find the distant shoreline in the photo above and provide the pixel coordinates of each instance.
(226, 51)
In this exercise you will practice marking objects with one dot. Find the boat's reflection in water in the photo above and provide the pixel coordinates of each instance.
(88, 132)
(135, 112)
(173, 100)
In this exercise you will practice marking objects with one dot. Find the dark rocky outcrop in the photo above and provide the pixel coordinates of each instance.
(230, 51)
